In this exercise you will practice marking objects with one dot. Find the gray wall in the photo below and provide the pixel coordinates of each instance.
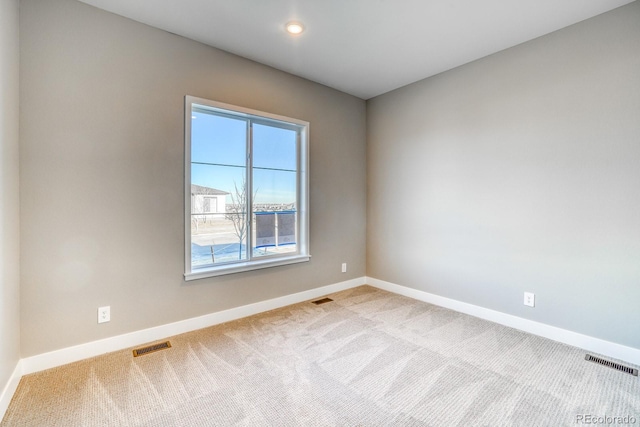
(9, 200)
(102, 175)
(518, 172)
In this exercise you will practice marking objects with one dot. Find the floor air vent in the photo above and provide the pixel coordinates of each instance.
(322, 301)
(613, 365)
(151, 348)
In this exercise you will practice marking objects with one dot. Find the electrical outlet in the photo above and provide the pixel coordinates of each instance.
(529, 299)
(104, 314)
(344, 267)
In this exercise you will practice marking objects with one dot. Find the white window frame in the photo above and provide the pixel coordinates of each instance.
(302, 252)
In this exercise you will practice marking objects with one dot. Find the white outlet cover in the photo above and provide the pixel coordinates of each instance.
(529, 299)
(104, 314)
(344, 267)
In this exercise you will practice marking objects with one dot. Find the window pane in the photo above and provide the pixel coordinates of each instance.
(218, 215)
(274, 147)
(274, 191)
(218, 139)
(275, 209)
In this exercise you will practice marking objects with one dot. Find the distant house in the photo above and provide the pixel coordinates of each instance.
(206, 200)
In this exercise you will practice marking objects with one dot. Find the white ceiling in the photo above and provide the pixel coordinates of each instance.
(361, 47)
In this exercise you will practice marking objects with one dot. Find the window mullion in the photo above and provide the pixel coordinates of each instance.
(298, 189)
(249, 191)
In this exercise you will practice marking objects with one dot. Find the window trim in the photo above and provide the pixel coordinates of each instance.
(302, 253)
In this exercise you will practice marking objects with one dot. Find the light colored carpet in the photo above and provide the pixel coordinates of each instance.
(370, 358)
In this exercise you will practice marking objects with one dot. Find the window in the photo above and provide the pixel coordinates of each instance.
(246, 189)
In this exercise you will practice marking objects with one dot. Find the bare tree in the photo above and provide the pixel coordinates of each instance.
(237, 212)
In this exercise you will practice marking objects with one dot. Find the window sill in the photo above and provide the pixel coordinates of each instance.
(241, 267)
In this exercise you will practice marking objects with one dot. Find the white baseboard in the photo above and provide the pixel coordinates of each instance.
(595, 345)
(95, 348)
(10, 388)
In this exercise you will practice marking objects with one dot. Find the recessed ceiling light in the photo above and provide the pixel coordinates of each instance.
(294, 28)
